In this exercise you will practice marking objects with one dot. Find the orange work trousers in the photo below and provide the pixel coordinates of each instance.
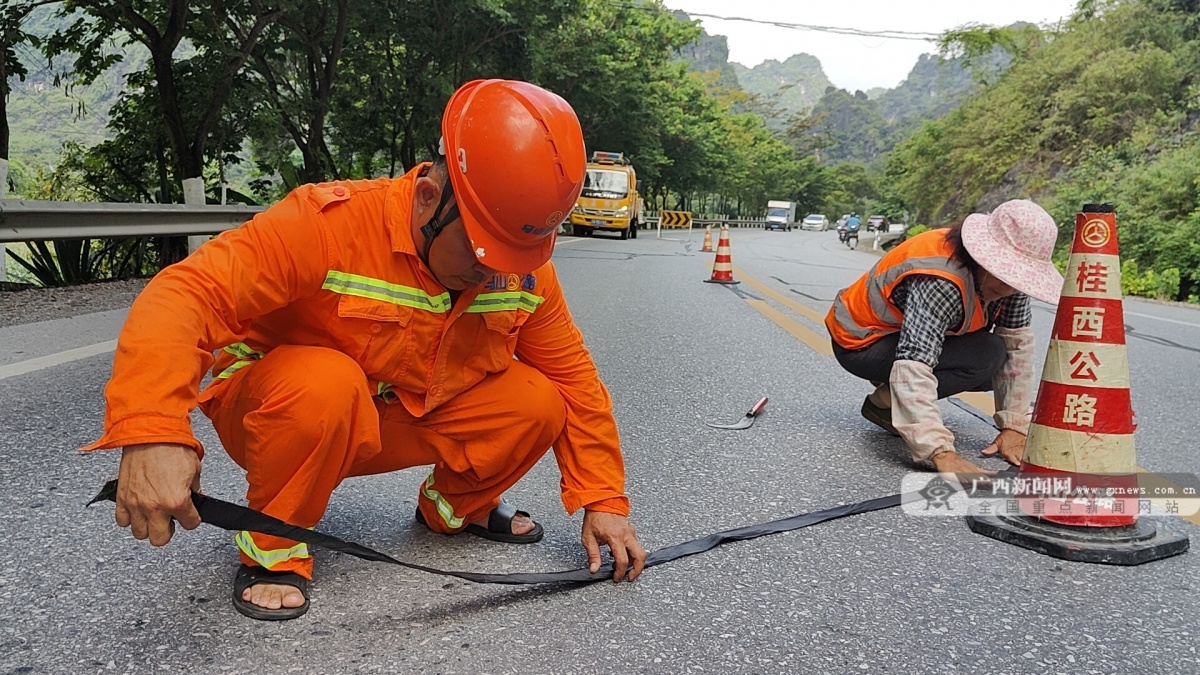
(302, 420)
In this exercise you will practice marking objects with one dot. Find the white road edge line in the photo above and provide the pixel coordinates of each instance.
(30, 365)
(1163, 318)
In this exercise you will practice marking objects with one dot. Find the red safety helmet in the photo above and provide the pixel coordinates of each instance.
(516, 160)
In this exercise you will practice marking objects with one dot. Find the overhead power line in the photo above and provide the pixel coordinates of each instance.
(882, 34)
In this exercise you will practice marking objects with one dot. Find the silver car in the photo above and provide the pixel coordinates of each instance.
(815, 221)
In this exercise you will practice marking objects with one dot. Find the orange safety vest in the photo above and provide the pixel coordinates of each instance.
(864, 312)
(335, 265)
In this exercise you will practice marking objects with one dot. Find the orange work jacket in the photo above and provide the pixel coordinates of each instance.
(864, 312)
(335, 265)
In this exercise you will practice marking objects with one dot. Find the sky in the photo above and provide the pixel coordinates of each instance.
(856, 62)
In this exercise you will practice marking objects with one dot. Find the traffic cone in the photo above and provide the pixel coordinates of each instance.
(1077, 490)
(722, 272)
(707, 248)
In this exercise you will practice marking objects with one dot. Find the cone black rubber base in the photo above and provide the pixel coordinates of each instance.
(718, 281)
(1135, 544)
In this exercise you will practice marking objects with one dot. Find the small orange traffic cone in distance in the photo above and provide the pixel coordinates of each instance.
(707, 248)
(722, 272)
(1079, 458)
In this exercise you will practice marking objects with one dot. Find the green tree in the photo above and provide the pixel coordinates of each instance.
(12, 17)
(403, 61)
(615, 64)
(295, 69)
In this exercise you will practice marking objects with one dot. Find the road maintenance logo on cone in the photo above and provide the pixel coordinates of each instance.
(707, 248)
(722, 272)
(1077, 493)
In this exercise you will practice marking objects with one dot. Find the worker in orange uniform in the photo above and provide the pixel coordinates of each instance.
(369, 326)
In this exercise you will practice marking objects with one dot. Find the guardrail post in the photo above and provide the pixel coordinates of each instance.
(3, 195)
(193, 193)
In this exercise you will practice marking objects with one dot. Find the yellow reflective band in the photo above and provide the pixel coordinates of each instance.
(444, 509)
(505, 301)
(378, 289)
(268, 559)
(238, 365)
(243, 352)
(384, 391)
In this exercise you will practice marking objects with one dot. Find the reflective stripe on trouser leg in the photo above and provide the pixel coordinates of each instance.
(444, 509)
(296, 422)
(268, 558)
(485, 440)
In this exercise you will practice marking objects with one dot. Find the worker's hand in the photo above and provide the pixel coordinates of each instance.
(1010, 444)
(609, 528)
(155, 484)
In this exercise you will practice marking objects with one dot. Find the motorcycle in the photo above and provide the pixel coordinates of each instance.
(849, 236)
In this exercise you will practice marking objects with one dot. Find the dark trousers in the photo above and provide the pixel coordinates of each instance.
(968, 362)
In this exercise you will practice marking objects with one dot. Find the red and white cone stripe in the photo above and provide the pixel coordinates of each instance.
(723, 264)
(1082, 426)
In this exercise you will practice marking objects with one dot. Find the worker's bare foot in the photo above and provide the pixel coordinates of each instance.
(273, 596)
(520, 524)
(950, 463)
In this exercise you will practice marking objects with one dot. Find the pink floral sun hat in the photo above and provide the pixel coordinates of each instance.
(1014, 243)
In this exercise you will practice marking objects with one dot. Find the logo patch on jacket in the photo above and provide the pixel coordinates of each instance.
(512, 282)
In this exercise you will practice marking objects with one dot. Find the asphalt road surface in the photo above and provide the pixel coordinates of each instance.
(882, 592)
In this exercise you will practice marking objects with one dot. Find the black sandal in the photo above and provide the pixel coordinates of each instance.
(500, 526)
(248, 576)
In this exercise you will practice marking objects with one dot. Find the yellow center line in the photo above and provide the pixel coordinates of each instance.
(815, 342)
(818, 343)
(781, 298)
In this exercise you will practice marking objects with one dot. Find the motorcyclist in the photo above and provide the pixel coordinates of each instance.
(851, 228)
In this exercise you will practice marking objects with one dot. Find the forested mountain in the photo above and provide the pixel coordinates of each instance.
(934, 87)
(864, 126)
(1102, 110)
(42, 116)
(710, 54)
(784, 88)
(843, 125)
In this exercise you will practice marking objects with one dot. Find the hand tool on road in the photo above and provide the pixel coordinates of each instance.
(746, 420)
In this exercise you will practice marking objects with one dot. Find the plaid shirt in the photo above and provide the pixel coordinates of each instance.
(932, 306)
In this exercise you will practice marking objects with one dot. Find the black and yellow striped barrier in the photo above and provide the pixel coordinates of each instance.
(676, 219)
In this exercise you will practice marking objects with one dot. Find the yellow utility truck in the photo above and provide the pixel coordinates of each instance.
(609, 200)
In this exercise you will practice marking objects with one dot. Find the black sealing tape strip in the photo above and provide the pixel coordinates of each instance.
(235, 518)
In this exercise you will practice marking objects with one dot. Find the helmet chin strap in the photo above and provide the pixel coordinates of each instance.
(438, 222)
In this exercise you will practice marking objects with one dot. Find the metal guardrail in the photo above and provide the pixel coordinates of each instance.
(652, 222)
(22, 220)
